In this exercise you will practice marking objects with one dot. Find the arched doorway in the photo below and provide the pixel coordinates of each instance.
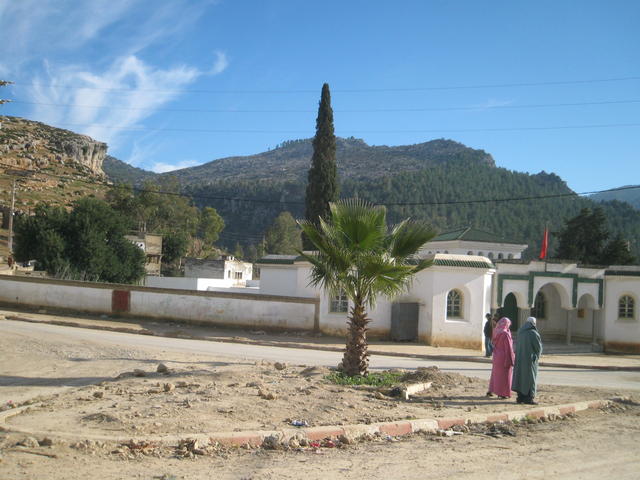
(510, 310)
(551, 308)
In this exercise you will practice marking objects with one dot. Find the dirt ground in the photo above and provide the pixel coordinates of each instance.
(88, 399)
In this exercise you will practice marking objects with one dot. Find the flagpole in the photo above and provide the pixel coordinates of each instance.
(546, 233)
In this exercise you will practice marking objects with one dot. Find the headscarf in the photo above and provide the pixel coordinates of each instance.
(502, 327)
(532, 321)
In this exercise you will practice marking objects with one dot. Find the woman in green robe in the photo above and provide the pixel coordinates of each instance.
(525, 370)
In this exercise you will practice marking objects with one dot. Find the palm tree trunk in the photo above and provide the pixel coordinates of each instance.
(356, 357)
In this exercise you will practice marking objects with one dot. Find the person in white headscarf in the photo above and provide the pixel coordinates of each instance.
(525, 370)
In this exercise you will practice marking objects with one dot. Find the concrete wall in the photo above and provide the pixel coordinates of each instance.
(621, 334)
(215, 308)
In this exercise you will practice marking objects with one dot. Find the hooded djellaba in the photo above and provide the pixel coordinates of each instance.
(525, 370)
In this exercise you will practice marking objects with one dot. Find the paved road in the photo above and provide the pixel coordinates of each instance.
(238, 352)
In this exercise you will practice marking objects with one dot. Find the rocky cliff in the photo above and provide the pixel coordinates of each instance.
(33, 145)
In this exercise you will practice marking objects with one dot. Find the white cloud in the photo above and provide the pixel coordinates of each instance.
(109, 88)
(220, 65)
(167, 167)
(107, 104)
(493, 103)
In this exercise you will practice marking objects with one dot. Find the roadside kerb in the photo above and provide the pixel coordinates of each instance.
(270, 343)
(312, 434)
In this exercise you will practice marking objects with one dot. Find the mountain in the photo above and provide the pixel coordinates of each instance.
(629, 195)
(290, 161)
(121, 172)
(441, 181)
(49, 164)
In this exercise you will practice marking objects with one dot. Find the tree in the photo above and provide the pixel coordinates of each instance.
(211, 224)
(359, 256)
(322, 182)
(583, 237)
(283, 236)
(86, 243)
(617, 252)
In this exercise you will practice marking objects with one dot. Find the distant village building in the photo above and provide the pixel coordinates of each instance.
(151, 245)
(226, 267)
(220, 274)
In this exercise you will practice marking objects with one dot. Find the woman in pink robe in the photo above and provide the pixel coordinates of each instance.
(503, 359)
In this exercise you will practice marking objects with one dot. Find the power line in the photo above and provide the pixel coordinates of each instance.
(267, 201)
(309, 132)
(366, 110)
(338, 90)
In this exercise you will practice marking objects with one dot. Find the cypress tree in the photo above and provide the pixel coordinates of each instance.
(322, 186)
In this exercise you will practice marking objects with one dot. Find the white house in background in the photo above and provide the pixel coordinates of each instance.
(471, 241)
(220, 274)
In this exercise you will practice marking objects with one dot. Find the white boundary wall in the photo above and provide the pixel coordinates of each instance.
(215, 308)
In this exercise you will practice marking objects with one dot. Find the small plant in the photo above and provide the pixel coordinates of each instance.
(382, 379)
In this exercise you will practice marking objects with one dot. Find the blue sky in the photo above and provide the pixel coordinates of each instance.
(175, 83)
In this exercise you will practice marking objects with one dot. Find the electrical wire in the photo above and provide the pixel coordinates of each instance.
(344, 90)
(366, 110)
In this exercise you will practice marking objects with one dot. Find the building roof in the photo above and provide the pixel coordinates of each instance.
(471, 234)
(280, 259)
(439, 259)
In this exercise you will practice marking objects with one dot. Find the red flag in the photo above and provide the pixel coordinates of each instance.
(545, 244)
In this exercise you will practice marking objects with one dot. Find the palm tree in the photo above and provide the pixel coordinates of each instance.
(358, 255)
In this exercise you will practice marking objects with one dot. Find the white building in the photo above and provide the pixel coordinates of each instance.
(471, 241)
(219, 274)
(447, 303)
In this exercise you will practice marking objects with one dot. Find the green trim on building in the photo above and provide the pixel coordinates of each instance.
(443, 262)
(472, 235)
(284, 260)
(531, 276)
(621, 273)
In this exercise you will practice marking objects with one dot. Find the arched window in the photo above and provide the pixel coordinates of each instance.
(481, 254)
(490, 255)
(469, 252)
(500, 256)
(539, 309)
(446, 251)
(626, 307)
(454, 304)
(510, 256)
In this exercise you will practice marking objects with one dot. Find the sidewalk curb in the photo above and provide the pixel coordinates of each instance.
(311, 434)
(268, 343)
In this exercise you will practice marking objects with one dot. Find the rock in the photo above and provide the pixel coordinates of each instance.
(254, 384)
(346, 439)
(315, 372)
(272, 442)
(294, 443)
(168, 387)
(266, 394)
(45, 442)
(378, 395)
(29, 442)
(139, 373)
(280, 365)
(98, 394)
(162, 368)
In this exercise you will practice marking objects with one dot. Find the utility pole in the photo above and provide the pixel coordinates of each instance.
(13, 204)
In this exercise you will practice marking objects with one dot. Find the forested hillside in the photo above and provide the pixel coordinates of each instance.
(441, 181)
(629, 195)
